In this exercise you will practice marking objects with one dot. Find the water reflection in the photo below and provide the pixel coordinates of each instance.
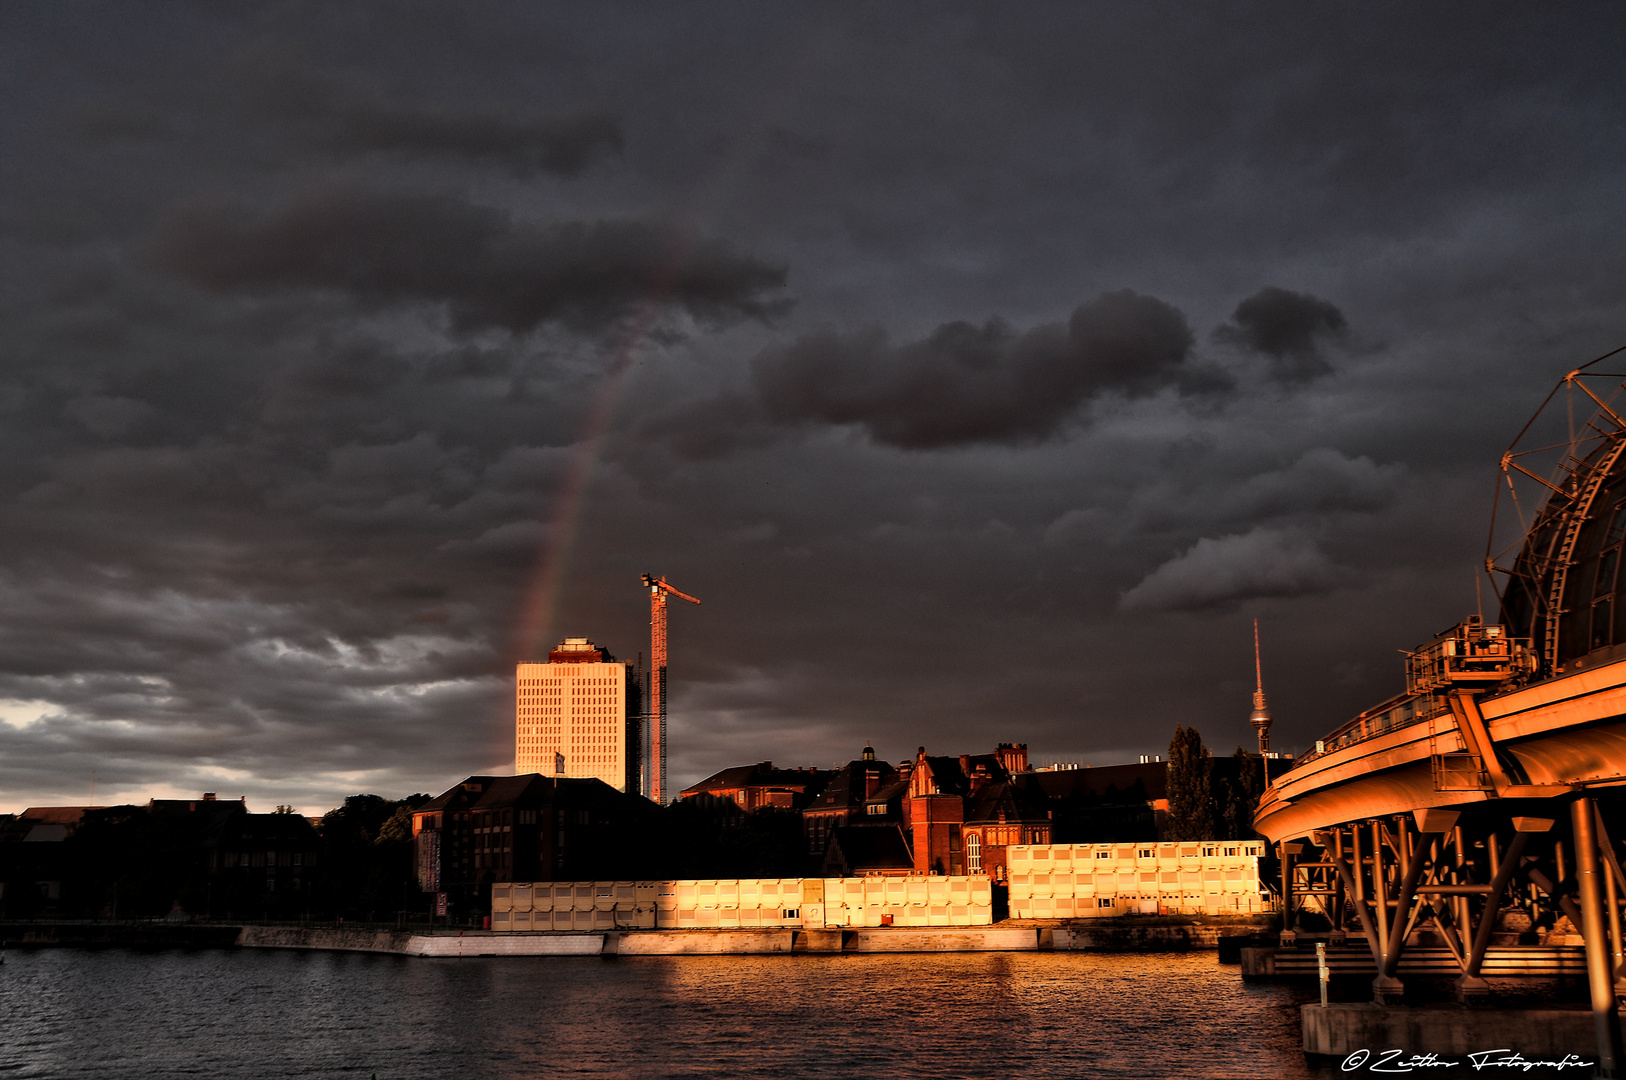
(289, 1014)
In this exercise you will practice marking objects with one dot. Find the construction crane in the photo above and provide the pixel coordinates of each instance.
(658, 591)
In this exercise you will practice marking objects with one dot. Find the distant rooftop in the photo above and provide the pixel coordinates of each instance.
(579, 650)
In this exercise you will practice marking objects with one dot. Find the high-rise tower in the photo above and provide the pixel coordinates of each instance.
(577, 716)
(1261, 712)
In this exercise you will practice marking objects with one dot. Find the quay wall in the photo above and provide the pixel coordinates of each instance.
(742, 942)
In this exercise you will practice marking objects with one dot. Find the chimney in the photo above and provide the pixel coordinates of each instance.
(208, 796)
(1013, 756)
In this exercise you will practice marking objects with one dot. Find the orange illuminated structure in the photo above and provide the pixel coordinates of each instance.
(1491, 793)
(658, 590)
(577, 716)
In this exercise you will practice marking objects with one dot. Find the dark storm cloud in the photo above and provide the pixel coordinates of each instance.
(562, 145)
(343, 115)
(969, 384)
(1288, 327)
(486, 268)
(1321, 483)
(1228, 570)
(268, 519)
(710, 428)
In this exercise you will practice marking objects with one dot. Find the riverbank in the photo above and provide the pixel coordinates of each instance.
(104, 935)
(1002, 937)
(1118, 935)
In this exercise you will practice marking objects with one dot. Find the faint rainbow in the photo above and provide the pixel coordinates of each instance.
(541, 598)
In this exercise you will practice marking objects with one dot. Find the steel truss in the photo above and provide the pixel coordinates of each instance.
(1564, 472)
(1452, 878)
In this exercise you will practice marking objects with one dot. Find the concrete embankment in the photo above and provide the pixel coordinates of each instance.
(469, 943)
(739, 942)
(102, 935)
(1452, 1032)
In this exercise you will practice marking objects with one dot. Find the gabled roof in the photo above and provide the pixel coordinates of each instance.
(762, 774)
(530, 790)
(953, 775)
(846, 787)
(55, 815)
(1018, 799)
(887, 792)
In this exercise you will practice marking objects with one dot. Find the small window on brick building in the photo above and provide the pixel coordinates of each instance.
(973, 853)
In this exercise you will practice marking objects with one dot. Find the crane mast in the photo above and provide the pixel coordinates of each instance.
(656, 711)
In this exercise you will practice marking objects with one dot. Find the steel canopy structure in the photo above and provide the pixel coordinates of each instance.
(1489, 796)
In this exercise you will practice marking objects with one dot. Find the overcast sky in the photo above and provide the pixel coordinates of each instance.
(983, 369)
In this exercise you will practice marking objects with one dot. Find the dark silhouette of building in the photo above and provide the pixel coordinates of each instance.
(524, 828)
(865, 792)
(860, 850)
(752, 787)
(274, 852)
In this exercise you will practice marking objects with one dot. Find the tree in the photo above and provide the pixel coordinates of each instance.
(1190, 788)
(1239, 797)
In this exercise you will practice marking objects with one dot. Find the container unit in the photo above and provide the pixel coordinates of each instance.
(742, 903)
(1080, 881)
(573, 905)
(729, 903)
(908, 901)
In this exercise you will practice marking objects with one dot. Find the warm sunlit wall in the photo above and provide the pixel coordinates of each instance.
(578, 711)
(1065, 881)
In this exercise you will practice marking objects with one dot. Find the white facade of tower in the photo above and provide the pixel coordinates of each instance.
(572, 719)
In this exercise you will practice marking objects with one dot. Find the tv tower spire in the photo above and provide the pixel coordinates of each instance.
(1261, 712)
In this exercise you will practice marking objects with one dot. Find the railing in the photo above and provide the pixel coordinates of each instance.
(1469, 656)
(1390, 716)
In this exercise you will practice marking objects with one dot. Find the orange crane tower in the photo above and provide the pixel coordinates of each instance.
(658, 590)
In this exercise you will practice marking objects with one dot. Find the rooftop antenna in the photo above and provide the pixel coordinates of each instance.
(1261, 712)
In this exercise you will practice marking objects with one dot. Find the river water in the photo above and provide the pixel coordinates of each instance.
(264, 1014)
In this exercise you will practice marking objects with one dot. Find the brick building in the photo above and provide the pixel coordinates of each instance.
(962, 812)
(936, 805)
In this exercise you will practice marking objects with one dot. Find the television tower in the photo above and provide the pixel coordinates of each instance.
(1261, 712)
(658, 590)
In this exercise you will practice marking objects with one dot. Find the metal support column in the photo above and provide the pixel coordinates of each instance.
(1286, 851)
(1600, 974)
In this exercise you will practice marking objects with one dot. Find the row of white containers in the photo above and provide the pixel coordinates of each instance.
(1081, 881)
(742, 903)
